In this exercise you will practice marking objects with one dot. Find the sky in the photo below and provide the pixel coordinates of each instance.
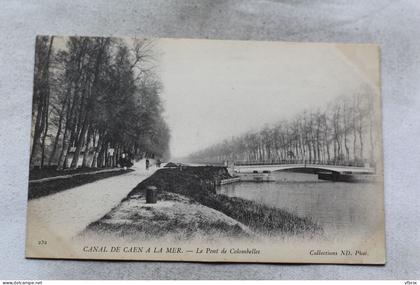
(217, 89)
(214, 90)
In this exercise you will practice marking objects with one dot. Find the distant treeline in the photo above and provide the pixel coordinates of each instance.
(341, 133)
(94, 99)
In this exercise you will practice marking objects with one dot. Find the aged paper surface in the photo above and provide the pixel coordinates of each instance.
(206, 150)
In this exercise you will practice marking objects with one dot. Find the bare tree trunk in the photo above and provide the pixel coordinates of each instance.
(37, 132)
(354, 127)
(90, 100)
(361, 140)
(371, 126)
(45, 127)
(345, 123)
(360, 129)
(71, 117)
(96, 145)
(60, 123)
(42, 104)
(85, 154)
(79, 143)
(101, 155)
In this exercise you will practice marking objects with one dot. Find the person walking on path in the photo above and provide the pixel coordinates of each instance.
(147, 164)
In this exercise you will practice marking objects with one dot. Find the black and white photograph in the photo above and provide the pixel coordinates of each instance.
(205, 150)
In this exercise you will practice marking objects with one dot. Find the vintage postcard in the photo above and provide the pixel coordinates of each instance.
(206, 150)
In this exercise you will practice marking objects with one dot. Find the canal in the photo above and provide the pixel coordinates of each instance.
(341, 208)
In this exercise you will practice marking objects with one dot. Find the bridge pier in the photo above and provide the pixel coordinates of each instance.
(332, 176)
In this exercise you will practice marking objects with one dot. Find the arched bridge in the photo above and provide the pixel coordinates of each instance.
(264, 167)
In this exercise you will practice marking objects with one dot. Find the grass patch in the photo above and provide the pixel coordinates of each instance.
(51, 171)
(41, 189)
(175, 217)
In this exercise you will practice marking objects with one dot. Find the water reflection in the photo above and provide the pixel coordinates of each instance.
(340, 208)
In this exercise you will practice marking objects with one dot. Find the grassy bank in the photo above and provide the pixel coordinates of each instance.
(45, 188)
(174, 217)
(198, 184)
(51, 171)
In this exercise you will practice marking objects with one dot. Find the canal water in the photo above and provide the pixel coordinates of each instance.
(341, 208)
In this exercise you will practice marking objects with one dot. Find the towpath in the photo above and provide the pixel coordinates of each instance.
(68, 212)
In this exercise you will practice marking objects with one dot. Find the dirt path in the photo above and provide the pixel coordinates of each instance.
(67, 213)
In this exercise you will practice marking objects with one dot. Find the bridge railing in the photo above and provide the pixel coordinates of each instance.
(305, 161)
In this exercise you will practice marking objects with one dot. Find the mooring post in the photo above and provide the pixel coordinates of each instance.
(151, 195)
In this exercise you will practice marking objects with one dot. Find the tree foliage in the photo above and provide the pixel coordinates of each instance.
(94, 100)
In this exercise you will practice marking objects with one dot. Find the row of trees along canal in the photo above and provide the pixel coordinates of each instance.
(94, 99)
(341, 133)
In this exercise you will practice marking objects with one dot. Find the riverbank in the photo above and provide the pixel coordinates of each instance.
(189, 206)
(55, 183)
